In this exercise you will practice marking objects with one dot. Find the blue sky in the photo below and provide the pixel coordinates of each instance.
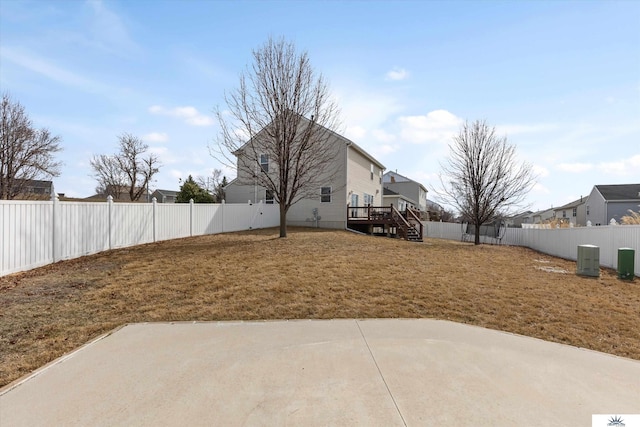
(560, 79)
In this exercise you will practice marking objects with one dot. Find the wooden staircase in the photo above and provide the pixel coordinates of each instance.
(391, 221)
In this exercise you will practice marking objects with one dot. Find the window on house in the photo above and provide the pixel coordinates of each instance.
(575, 212)
(380, 173)
(587, 210)
(264, 162)
(325, 195)
(371, 171)
(368, 199)
(564, 214)
(268, 197)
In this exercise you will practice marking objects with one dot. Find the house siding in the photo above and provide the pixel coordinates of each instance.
(597, 209)
(618, 209)
(332, 214)
(359, 178)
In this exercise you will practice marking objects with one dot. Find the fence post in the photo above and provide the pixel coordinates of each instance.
(191, 217)
(154, 202)
(54, 225)
(222, 214)
(109, 220)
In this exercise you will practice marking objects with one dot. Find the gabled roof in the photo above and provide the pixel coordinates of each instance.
(574, 204)
(168, 193)
(391, 193)
(620, 191)
(391, 177)
(347, 141)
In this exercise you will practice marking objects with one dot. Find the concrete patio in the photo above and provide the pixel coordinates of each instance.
(387, 372)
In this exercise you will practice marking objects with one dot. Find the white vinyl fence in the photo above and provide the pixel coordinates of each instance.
(36, 233)
(560, 242)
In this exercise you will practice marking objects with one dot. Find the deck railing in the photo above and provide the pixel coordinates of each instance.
(403, 221)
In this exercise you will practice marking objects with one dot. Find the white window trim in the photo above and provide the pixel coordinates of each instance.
(262, 165)
(324, 195)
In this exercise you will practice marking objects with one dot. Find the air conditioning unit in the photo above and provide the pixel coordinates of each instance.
(588, 260)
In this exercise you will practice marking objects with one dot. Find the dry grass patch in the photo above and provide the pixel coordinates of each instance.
(312, 275)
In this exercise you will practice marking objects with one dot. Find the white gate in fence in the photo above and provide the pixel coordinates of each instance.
(36, 233)
(560, 242)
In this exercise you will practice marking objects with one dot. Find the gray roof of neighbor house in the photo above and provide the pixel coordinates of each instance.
(575, 203)
(620, 191)
(387, 179)
(167, 192)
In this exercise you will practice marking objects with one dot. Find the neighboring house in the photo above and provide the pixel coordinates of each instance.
(573, 213)
(516, 221)
(607, 202)
(541, 217)
(390, 197)
(435, 211)
(33, 189)
(357, 182)
(165, 196)
(122, 195)
(410, 189)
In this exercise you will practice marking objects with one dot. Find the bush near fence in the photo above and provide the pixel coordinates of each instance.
(560, 242)
(37, 233)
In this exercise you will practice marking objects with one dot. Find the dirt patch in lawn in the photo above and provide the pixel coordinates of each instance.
(312, 274)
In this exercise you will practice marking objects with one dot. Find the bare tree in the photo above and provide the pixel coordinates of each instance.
(278, 124)
(128, 170)
(111, 179)
(482, 178)
(214, 184)
(26, 153)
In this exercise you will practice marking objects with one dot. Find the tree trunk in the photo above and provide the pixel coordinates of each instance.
(477, 239)
(283, 221)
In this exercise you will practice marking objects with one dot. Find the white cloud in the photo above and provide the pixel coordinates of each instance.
(520, 129)
(623, 167)
(382, 135)
(156, 137)
(574, 167)
(437, 126)
(355, 132)
(539, 188)
(540, 171)
(189, 114)
(53, 72)
(397, 74)
(109, 30)
(365, 107)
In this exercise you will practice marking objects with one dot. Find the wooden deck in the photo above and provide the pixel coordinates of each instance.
(385, 220)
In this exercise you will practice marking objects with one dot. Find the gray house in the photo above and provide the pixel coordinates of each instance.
(165, 196)
(410, 189)
(607, 202)
(573, 213)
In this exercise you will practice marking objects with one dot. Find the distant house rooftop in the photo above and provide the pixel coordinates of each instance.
(620, 191)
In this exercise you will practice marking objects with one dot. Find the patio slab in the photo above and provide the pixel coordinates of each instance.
(323, 372)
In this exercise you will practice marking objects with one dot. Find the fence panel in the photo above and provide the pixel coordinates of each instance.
(560, 242)
(172, 221)
(442, 230)
(131, 224)
(208, 219)
(81, 229)
(36, 233)
(27, 235)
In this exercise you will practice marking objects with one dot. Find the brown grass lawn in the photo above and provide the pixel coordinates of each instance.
(47, 312)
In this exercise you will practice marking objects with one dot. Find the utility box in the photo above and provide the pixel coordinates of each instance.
(626, 258)
(588, 260)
